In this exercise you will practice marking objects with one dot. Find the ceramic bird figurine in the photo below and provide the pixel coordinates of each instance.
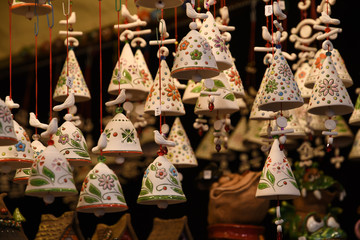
(119, 99)
(69, 102)
(102, 142)
(160, 139)
(51, 129)
(34, 122)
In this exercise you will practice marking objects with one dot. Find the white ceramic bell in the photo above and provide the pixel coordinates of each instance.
(51, 176)
(101, 192)
(345, 136)
(145, 73)
(73, 82)
(27, 9)
(354, 119)
(182, 154)
(235, 81)
(70, 141)
(160, 4)
(19, 155)
(300, 77)
(194, 59)
(37, 147)
(22, 175)
(164, 95)
(161, 185)
(192, 92)
(7, 133)
(277, 180)
(126, 75)
(354, 154)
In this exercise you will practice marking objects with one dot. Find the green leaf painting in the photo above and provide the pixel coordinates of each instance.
(94, 190)
(38, 182)
(149, 185)
(50, 174)
(262, 186)
(270, 177)
(90, 199)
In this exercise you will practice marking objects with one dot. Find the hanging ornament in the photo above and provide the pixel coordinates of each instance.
(354, 119)
(354, 154)
(192, 92)
(30, 9)
(7, 133)
(22, 175)
(300, 76)
(344, 137)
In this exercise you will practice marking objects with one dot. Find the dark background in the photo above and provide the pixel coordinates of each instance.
(195, 190)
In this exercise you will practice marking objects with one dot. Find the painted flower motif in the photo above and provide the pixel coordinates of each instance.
(77, 136)
(196, 55)
(319, 60)
(146, 173)
(161, 173)
(173, 92)
(206, 45)
(235, 77)
(219, 43)
(106, 181)
(26, 136)
(173, 171)
(144, 76)
(302, 74)
(63, 139)
(184, 45)
(132, 69)
(328, 87)
(62, 81)
(20, 146)
(5, 114)
(284, 69)
(72, 68)
(278, 167)
(58, 164)
(128, 135)
(271, 86)
(152, 89)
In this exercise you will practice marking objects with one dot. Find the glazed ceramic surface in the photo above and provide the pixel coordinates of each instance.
(7, 133)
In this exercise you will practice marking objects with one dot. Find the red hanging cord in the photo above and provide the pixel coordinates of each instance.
(100, 65)
(50, 64)
(10, 58)
(36, 80)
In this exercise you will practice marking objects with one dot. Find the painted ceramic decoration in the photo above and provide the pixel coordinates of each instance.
(206, 148)
(194, 59)
(345, 136)
(354, 119)
(27, 9)
(280, 91)
(329, 92)
(122, 138)
(101, 192)
(37, 148)
(159, 4)
(127, 75)
(235, 81)
(51, 176)
(78, 86)
(339, 64)
(161, 184)
(19, 155)
(164, 94)
(224, 103)
(22, 175)
(355, 149)
(300, 77)
(277, 179)
(7, 133)
(192, 92)
(236, 138)
(70, 141)
(211, 32)
(143, 68)
(182, 154)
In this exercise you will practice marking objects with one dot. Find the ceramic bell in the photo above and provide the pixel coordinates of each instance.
(211, 33)
(236, 138)
(235, 82)
(317, 67)
(171, 103)
(7, 134)
(354, 119)
(128, 77)
(159, 4)
(329, 95)
(293, 123)
(300, 77)
(70, 141)
(101, 192)
(182, 154)
(280, 91)
(217, 100)
(37, 147)
(19, 155)
(145, 73)
(27, 9)
(51, 176)
(194, 58)
(355, 149)
(122, 139)
(277, 179)
(345, 136)
(161, 185)
(78, 84)
(192, 92)
(22, 175)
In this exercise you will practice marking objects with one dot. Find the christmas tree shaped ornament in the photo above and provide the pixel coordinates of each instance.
(22, 175)
(182, 154)
(354, 154)
(161, 185)
(19, 155)
(193, 58)
(211, 32)
(145, 73)
(192, 92)
(70, 141)
(216, 98)
(280, 91)
(101, 191)
(51, 175)
(37, 146)
(235, 82)
(126, 75)
(30, 9)
(300, 76)
(339, 64)
(7, 133)
(164, 96)
(71, 80)
(354, 119)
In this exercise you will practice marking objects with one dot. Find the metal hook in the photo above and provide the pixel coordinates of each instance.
(52, 16)
(116, 6)
(36, 24)
(68, 8)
